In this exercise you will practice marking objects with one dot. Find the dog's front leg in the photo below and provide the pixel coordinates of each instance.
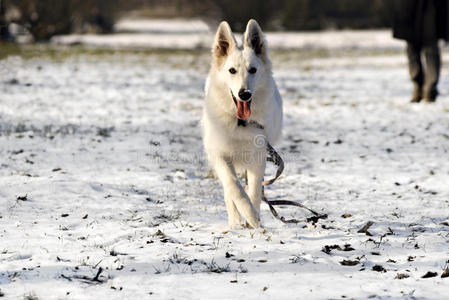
(255, 174)
(235, 195)
(234, 219)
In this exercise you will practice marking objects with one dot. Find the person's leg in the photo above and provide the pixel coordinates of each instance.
(433, 65)
(416, 70)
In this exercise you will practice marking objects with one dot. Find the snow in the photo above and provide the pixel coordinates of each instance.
(195, 34)
(368, 39)
(363, 39)
(102, 167)
(161, 25)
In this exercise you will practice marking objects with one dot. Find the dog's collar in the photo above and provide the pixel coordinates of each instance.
(250, 123)
(241, 122)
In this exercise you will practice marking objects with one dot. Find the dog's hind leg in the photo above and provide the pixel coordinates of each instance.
(234, 192)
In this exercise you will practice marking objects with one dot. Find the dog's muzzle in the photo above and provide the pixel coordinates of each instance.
(242, 105)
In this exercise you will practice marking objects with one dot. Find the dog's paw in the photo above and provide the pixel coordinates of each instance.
(236, 226)
(248, 226)
(252, 224)
(234, 220)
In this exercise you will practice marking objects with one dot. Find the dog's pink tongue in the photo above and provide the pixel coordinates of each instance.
(243, 109)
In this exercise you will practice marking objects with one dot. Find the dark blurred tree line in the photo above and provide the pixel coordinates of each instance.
(283, 14)
(45, 18)
(338, 14)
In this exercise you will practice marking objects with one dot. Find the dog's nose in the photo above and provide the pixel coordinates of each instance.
(244, 94)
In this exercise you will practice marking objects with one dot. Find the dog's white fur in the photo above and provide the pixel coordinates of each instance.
(231, 148)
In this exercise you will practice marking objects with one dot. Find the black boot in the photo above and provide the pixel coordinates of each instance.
(417, 95)
(431, 97)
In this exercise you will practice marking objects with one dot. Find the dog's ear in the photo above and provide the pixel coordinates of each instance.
(224, 41)
(254, 38)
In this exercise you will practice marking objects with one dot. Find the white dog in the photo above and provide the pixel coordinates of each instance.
(242, 112)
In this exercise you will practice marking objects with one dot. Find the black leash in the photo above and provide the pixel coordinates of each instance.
(276, 159)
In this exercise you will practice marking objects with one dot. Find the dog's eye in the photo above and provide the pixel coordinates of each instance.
(232, 71)
(252, 70)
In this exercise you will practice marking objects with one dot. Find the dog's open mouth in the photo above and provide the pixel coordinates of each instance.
(243, 108)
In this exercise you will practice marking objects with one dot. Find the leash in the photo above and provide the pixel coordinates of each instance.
(276, 159)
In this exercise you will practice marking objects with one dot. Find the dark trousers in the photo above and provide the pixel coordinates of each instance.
(424, 77)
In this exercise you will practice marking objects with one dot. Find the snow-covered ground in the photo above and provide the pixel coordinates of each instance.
(195, 34)
(348, 39)
(161, 25)
(105, 193)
